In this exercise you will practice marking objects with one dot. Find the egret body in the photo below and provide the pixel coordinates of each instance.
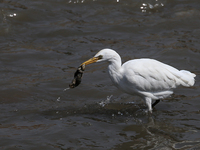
(146, 78)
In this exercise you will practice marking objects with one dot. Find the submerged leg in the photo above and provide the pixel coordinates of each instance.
(156, 102)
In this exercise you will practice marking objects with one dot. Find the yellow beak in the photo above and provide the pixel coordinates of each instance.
(90, 61)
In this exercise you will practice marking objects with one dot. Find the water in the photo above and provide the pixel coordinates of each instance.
(42, 44)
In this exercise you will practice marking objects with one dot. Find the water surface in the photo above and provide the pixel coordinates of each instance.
(42, 44)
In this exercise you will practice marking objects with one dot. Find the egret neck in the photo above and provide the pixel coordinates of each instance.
(115, 69)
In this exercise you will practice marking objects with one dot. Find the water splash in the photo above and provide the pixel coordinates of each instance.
(76, 1)
(104, 102)
(148, 7)
(58, 99)
(82, 1)
(12, 15)
(66, 89)
(61, 95)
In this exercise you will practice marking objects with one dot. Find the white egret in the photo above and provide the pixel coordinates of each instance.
(146, 78)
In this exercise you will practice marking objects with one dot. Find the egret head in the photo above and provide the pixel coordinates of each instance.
(102, 55)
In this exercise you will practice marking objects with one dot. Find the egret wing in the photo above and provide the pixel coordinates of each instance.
(150, 75)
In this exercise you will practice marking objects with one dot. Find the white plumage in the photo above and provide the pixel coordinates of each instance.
(147, 78)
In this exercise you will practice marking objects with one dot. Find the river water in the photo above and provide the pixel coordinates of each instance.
(43, 42)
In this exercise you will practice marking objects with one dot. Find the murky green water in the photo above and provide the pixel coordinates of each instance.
(42, 44)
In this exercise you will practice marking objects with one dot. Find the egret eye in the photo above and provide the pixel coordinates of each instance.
(100, 57)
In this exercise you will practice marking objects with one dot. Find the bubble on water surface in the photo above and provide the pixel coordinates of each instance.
(120, 113)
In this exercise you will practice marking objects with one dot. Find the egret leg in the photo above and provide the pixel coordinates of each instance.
(156, 102)
(148, 101)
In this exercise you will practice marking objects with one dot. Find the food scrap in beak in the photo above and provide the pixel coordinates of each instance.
(79, 72)
(77, 76)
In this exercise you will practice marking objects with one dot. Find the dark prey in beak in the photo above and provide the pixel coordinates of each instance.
(77, 76)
